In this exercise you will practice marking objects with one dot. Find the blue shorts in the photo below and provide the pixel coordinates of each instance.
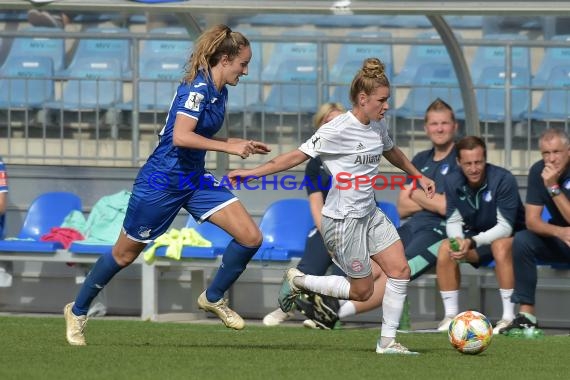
(154, 205)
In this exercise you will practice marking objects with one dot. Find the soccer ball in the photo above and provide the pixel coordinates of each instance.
(470, 332)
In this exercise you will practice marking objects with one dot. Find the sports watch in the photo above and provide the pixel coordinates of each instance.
(554, 190)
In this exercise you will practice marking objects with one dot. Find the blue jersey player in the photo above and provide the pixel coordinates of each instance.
(484, 210)
(174, 177)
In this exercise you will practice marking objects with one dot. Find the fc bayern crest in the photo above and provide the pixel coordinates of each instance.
(357, 266)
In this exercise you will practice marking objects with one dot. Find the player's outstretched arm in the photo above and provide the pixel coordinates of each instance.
(397, 158)
(278, 164)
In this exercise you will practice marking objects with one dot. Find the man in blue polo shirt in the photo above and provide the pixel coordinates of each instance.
(483, 211)
(548, 186)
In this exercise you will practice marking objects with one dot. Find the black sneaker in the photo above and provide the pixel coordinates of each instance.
(320, 309)
(520, 322)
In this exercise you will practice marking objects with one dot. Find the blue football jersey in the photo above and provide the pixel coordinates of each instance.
(478, 207)
(200, 100)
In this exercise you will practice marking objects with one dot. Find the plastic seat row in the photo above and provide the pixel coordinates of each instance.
(292, 71)
(285, 225)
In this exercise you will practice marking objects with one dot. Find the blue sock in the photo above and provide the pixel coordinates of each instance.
(101, 273)
(234, 261)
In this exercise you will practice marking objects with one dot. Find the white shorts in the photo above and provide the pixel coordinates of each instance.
(353, 240)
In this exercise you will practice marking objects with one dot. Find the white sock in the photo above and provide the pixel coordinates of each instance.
(450, 300)
(346, 310)
(334, 286)
(392, 306)
(508, 306)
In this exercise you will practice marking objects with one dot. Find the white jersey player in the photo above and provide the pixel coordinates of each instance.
(354, 229)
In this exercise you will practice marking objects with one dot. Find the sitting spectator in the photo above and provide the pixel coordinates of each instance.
(548, 186)
(47, 19)
(484, 210)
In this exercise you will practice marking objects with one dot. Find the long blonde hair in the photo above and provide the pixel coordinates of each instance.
(371, 76)
(211, 46)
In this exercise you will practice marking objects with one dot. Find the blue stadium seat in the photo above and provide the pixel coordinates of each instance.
(490, 94)
(287, 51)
(420, 55)
(493, 56)
(297, 93)
(350, 59)
(554, 104)
(82, 248)
(433, 81)
(407, 21)
(104, 48)
(94, 84)
(464, 22)
(249, 90)
(553, 57)
(27, 82)
(285, 226)
(279, 19)
(13, 16)
(391, 211)
(159, 78)
(350, 21)
(38, 46)
(48, 210)
(156, 47)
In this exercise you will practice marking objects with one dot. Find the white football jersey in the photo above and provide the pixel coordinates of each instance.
(350, 152)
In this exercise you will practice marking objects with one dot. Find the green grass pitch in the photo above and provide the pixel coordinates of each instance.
(35, 348)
